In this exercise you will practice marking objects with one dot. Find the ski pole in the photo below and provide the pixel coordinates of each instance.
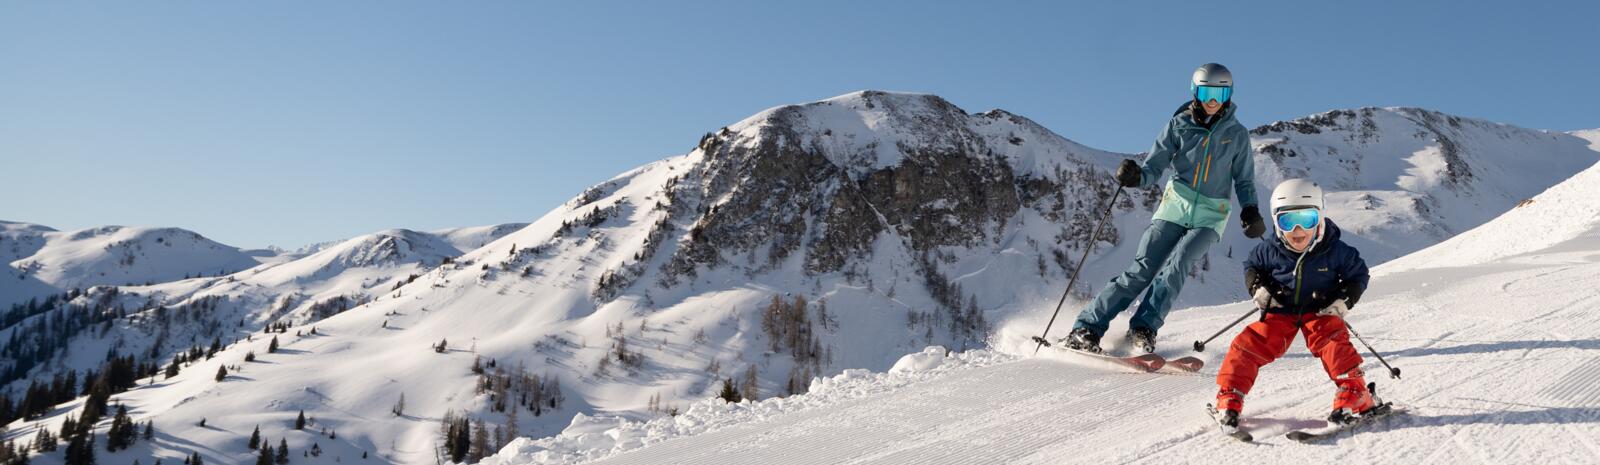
(1200, 346)
(1092, 238)
(1393, 372)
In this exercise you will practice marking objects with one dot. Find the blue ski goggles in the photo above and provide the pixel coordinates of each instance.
(1304, 218)
(1218, 93)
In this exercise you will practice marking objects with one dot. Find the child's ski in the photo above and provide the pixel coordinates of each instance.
(1333, 429)
(1230, 431)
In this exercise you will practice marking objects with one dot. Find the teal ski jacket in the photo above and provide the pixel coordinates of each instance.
(1206, 163)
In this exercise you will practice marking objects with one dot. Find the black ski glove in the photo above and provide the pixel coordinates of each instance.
(1253, 227)
(1128, 175)
(1352, 292)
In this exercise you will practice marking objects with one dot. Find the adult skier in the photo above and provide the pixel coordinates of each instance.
(1305, 280)
(1209, 152)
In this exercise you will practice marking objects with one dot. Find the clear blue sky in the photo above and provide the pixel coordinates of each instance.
(290, 122)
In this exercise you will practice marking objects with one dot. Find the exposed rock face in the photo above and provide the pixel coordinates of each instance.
(821, 181)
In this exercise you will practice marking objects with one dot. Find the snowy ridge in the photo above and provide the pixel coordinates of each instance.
(52, 261)
(870, 129)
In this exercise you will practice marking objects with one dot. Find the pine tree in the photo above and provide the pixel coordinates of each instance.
(149, 429)
(265, 458)
(399, 405)
(283, 451)
(197, 460)
(172, 369)
(300, 421)
(222, 372)
(44, 441)
(728, 392)
(81, 450)
(69, 428)
(255, 438)
(273, 347)
(120, 435)
(10, 454)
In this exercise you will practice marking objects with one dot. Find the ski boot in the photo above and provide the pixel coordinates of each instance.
(1230, 400)
(1228, 418)
(1144, 339)
(1082, 339)
(1353, 400)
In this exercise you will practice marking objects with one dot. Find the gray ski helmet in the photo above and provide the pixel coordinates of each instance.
(1212, 74)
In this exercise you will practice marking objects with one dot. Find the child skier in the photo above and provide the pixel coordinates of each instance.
(1304, 279)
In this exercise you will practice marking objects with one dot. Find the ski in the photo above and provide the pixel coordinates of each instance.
(1230, 431)
(1189, 364)
(1148, 363)
(1312, 435)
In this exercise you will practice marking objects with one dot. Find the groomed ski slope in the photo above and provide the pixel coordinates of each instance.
(1499, 353)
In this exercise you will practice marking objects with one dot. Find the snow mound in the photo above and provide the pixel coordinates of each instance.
(928, 359)
(595, 437)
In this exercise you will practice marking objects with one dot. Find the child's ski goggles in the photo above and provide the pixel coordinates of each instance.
(1218, 93)
(1304, 218)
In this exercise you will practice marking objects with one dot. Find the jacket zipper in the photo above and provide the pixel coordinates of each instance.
(1194, 202)
(1297, 264)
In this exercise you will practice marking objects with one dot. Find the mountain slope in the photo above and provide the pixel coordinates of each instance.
(1497, 352)
(899, 219)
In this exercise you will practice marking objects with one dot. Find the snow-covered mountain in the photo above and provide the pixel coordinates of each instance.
(799, 242)
(43, 261)
(1406, 178)
(1493, 330)
(296, 289)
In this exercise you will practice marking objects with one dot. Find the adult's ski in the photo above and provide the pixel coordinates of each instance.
(1189, 364)
(1147, 363)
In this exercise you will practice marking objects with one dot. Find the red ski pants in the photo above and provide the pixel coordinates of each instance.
(1266, 340)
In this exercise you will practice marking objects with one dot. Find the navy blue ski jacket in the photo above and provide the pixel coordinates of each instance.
(1332, 270)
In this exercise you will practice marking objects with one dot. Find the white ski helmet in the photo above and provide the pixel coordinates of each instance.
(1297, 193)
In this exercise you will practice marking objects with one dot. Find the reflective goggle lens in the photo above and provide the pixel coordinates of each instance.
(1207, 93)
(1305, 218)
